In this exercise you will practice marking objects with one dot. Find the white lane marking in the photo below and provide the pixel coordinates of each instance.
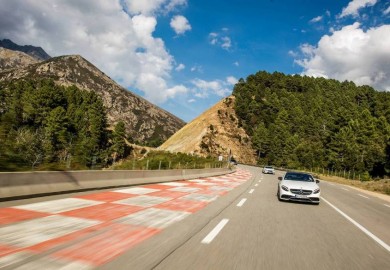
(256, 185)
(259, 181)
(210, 237)
(386, 205)
(241, 203)
(331, 184)
(251, 191)
(375, 238)
(345, 189)
(363, 196)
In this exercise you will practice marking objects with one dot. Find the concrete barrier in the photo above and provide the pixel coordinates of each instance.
(27, 184)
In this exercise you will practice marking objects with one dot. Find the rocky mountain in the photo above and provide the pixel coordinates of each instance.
(215, 132)
(36, 52)
(14, 59)
(144, 121)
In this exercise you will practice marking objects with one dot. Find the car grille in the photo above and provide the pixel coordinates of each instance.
(301, 191)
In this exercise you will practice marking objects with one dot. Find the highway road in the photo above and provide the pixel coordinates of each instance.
(228, 222)
(256, 231)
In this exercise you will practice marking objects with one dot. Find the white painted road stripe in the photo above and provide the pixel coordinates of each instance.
(251, 191)
(375, 238)
(331, 184)
(241, 203)
(210, 237)
(259, 181)
(386, 205)
(363, 196)
(345, 189)
(256, 185)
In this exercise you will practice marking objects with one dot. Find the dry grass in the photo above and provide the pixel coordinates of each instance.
(381, 186)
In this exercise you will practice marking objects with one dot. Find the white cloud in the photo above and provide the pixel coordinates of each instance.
(316, 19)
(231, 80)
(236, 63)
(197, 68)
(178, 89)
(180, 67)
(204, 89)
(226, 43)
(192, 100)
(354, 6)
(150, 7)
(180, 24)
(174, 4)
(121, 45)
(213, 37)
(386, 11)
(292, 53)
(220, 40)
(351, 54)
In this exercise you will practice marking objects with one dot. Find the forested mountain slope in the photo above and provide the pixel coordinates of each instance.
(144, 122)
(43, 123)
(297, 121)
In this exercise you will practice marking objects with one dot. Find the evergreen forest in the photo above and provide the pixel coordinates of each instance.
(300, 122)
(46, 126)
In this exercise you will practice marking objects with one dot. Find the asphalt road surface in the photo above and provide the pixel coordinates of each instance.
(256, 231)
(240, 224)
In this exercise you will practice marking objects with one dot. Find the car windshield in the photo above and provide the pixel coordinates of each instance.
(268, 167)
(299, 177)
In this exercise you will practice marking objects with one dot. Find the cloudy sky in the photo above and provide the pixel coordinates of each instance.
(185, 55)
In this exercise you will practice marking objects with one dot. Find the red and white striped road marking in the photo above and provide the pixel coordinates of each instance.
(90, 230)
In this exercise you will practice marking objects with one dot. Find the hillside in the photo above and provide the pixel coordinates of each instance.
(35, 52)
(304, 122)
(144, 122)
(213, 133)
(13, 59)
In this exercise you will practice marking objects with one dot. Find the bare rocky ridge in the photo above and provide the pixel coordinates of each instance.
(143, 120)
(215, 132)
(12, 59)
(35, 52)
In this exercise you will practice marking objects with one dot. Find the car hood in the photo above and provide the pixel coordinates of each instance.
(299, 184)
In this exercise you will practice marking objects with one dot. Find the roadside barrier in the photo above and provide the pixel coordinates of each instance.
(14, 185)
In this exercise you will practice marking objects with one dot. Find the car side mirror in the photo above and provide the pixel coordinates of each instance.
(317, 181)
(280, 178)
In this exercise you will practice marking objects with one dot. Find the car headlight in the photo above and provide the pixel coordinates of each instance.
(316, 191)
(284, 188)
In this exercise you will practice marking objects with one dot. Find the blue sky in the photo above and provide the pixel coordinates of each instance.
(185, 55)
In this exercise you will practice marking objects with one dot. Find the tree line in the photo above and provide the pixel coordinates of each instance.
(44, 125)
(298, 121)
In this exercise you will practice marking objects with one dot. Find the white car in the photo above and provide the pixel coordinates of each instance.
(269, 169)
(295, 186)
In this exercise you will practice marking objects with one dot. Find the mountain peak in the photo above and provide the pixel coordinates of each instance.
(144, 121)
(36, 52)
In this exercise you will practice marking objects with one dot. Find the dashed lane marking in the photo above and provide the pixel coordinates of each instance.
(363, 196)
(386, 205)
(345, 189)
(251, 191)
(241, 203)
(210, 237)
